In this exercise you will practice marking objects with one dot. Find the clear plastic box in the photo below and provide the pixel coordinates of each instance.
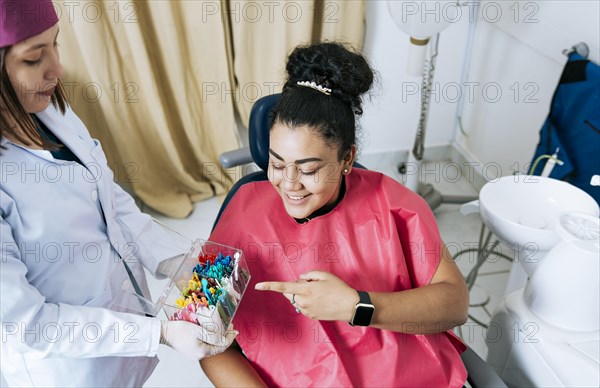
(176, 275)
(229, 288)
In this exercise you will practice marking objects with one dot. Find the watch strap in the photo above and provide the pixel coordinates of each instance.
(363, 306)
(364, 297)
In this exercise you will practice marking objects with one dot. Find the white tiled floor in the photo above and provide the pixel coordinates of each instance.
(458, 231)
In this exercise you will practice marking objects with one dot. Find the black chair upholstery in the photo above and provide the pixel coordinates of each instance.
(258, 129)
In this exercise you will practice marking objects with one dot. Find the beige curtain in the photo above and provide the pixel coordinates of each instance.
(159, 82)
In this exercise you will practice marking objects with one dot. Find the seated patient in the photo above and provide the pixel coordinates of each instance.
(330, 242)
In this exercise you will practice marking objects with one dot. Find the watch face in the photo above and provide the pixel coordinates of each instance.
(363, 314)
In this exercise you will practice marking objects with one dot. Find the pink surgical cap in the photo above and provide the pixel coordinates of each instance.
(22, 19)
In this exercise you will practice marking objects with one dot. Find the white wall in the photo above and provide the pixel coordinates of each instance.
(392, 115)
(521, 53)
(516, 52)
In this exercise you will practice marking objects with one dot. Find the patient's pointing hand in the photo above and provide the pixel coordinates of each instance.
(318, 295)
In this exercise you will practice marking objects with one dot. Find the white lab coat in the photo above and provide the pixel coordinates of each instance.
(58, 259)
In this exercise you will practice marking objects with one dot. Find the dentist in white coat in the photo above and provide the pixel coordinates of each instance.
(65, 231)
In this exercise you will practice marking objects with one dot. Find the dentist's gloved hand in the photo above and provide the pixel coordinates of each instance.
(195, 341)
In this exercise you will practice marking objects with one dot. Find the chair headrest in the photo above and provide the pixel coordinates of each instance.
(258, 129)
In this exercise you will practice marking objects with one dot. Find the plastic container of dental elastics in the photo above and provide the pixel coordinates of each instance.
(203, 285)
(208, 285)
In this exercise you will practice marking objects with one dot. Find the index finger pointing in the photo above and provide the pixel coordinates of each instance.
(282, 287)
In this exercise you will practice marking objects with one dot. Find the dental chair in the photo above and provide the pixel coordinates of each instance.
(480, 374)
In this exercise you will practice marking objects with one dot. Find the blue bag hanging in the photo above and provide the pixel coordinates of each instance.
(573, 126)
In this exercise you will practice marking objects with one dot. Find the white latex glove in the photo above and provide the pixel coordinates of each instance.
(195, 341)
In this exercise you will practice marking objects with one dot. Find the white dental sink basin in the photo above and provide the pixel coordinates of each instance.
(524, 209)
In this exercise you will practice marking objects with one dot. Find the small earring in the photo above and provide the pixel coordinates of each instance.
(345, 171)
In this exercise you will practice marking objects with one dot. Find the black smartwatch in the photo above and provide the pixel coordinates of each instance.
(363, 311)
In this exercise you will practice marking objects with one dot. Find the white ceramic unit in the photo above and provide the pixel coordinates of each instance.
(565, 290)
(528, 352)
(522, 210)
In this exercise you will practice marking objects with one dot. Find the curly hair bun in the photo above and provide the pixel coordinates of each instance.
(334, 66)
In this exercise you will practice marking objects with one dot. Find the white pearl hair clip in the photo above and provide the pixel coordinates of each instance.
(313, 85)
